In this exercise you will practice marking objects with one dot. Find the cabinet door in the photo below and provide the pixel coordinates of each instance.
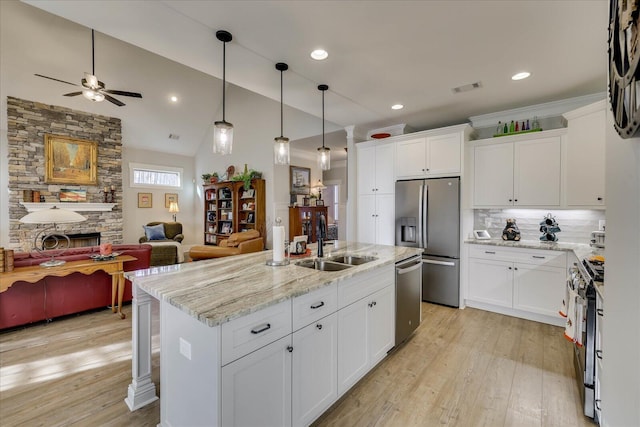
(411, 158)
(443, 155)
(385, 219)
(366, 170)
(256, 389)
(381, 323)
(315, 369)
(353, 344)
(538, 289)
(367, 219)
(493, 175)
(585, 160)
(537, 172)
(491, 281)
(384, 172)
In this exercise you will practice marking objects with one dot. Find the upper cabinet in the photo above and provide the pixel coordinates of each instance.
(430, 155)
(375, 168)
(522, 171)
(585, 156)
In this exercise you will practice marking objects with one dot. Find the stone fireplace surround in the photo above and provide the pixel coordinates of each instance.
(27, 124)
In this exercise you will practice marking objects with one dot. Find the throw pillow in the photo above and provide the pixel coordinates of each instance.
(154, 232)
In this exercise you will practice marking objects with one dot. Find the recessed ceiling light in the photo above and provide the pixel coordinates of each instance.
(174, 98)
(520, 76)
(397, 107)
(319, 54)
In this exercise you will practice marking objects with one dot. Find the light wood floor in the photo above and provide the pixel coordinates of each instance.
(461, 368)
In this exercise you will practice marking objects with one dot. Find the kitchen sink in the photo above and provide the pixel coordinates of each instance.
(323, 265)
(352, 259)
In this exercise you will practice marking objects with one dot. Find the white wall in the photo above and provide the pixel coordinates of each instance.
(135, 218)
(621, 336)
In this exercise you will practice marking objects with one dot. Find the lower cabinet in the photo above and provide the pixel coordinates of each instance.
(256, 389)
(518, 282)
(366, 333)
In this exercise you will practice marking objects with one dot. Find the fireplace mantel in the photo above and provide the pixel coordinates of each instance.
(72, 206)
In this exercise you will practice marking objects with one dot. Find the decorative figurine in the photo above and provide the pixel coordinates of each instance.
(511, 231)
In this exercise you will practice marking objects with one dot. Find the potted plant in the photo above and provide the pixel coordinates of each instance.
(214, 178)
(206, 177)
(246, 177)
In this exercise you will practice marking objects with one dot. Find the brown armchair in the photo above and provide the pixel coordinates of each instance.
(238, 243)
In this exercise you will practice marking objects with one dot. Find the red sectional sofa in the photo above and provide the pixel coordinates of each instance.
(51, 297)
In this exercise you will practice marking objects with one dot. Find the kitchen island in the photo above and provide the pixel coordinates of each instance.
(245, 343)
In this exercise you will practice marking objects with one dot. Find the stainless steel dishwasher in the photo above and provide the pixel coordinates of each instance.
(408, 297)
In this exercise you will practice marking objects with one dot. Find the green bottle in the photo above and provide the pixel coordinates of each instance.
(512, 127)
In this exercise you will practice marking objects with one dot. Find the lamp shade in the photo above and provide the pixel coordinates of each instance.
(173, 207)
(324, 158)
(222, 138)
(281, 154)
(54, 215)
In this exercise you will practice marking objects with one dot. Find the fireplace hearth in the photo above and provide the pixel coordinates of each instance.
(77, 240)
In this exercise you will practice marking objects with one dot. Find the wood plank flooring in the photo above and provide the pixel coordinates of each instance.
(461, 368)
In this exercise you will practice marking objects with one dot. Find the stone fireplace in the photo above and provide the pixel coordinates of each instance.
(78, 240)
(27, 124)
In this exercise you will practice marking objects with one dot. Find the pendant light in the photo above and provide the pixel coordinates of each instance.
(223, 130)
(281, 154)
(324, 153)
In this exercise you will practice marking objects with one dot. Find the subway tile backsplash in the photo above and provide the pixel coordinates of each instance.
(576, 225)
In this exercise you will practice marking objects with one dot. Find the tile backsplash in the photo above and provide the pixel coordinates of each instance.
(576, 225)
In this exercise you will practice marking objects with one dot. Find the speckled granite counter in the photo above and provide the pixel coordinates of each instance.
(218, 290)
(579, 249)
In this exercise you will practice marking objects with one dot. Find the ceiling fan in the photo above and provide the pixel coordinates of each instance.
(94, 89)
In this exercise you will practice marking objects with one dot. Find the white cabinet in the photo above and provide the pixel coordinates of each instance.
(585, 156)
(521, 171)
(375, 169)
(431, 155)
(256, 389)
(527, 283)
(366, 333)
(376, 219)
(315, 369)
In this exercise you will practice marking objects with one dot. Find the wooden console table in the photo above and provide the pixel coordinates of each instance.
(35, 273)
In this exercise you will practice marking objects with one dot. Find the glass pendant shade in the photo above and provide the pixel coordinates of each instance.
(222, 138)
(324, 158)
(281, 155)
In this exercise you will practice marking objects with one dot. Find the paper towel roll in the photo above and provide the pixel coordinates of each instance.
(278, 243)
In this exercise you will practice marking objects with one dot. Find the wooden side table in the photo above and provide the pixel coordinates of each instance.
(113, 267)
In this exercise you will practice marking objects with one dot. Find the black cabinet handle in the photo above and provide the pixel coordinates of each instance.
(599, 199)
(262, 328)
(597, 404)
(490, 252)
(511, 200)
(600, 312)
(319, 326)
(371, 304)
(289, 349)
(599, 354)
(318, 305)
(515, 200)
(539, 257)
(510, 268)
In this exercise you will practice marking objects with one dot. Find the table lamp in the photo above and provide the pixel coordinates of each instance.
(173, 208)
(51, 218)
(320, 186)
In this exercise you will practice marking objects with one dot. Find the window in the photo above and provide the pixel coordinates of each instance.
(152, 176)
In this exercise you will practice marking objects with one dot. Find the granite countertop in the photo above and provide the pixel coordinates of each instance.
(581, 250)
(218, 290)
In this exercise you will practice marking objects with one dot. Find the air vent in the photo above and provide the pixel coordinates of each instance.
(174, 136)
(467, 88)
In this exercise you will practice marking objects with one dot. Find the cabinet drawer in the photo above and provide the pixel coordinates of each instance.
(361, 285)
(526, 256)
(249, 333)
(314, 306)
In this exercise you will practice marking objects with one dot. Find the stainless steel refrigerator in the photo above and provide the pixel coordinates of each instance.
(428, 217)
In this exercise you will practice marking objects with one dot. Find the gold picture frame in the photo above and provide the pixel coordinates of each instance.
(70, 161)
(170, 197)
(145, 200)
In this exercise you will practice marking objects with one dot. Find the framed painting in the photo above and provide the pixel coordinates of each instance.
(70, 161)
(145, 200)
(169, 198)
(299, 179)
(73, 195)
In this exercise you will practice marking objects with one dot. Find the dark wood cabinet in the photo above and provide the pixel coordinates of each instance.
(306, 220)
(229, 208)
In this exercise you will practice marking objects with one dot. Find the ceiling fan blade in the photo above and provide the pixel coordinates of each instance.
(124, 93)
(73, 93)
(58, 80)
(113, 100)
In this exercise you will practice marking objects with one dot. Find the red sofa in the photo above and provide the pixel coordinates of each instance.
(51, 297)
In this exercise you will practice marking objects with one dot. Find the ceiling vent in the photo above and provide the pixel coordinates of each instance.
(467, 88)
(174, 136)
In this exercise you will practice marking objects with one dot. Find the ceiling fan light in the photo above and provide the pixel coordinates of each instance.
(324, 158)
(93, 95)
(222, 138)
(281, 153)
